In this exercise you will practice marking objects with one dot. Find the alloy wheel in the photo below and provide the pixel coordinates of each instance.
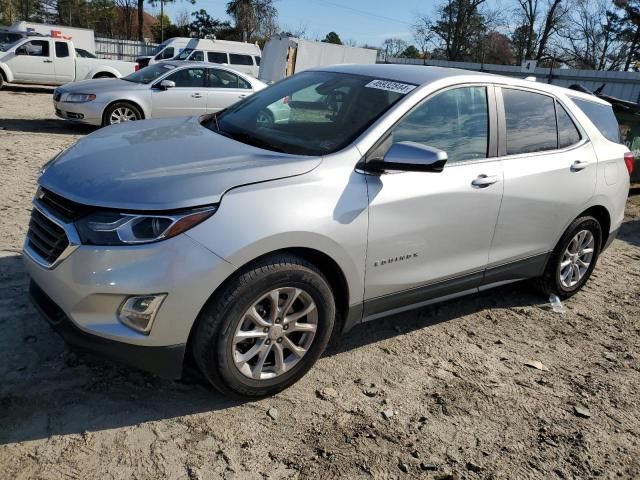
(122, 114)
(275, 333)
(576, 259)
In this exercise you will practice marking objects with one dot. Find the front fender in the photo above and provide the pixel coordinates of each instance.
(7, 72)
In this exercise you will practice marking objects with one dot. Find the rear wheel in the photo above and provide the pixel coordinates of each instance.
(573, 259)
(266, 328)
(121, 112)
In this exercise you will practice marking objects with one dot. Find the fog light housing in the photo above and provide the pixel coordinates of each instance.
(138, 312)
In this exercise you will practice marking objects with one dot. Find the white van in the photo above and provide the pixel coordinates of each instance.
(244, 57)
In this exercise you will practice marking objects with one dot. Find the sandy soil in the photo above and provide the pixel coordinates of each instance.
(443, 392)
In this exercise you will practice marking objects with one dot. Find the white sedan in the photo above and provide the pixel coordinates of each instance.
(164, 89)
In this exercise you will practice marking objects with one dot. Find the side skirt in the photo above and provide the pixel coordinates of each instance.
(395, 303)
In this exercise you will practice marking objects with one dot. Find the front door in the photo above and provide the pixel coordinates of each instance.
(188, 97)
(430, 233)
(33, 62)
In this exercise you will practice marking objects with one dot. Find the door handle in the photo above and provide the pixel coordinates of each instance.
(47, 61)
(579, 165)
(483, 181)
(243, 95)
(197, 95)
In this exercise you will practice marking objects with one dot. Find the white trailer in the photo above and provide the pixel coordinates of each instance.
(81, 37)
(283, 56)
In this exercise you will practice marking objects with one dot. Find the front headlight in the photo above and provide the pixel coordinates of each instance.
(79, 97)
(114, 228)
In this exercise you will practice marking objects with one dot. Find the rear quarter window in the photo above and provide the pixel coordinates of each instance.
(237, 59)
(602, 117)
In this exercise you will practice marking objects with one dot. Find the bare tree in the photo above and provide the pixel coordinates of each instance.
(590, 39)
(538, 21)
(393, 47)
(183, 19)
(459, 27)
(422, 31)
(254, 19)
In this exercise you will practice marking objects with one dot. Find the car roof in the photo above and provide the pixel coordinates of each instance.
(422, 75)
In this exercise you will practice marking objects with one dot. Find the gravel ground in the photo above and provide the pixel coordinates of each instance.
(442, 392)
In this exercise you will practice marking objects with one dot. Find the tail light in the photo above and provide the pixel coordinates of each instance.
(285, 100)
(137, 67)
(628, 161)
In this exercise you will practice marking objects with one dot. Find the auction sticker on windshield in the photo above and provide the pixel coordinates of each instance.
(389, 86)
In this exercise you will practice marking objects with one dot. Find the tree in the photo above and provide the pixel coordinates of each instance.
(254, 20)
(423, 34)
(205, 26)
(332, 37)
(459, 27)
(497, 49)
(537, 26)
(393, 47)
(410, 52)
(629, 29)
(592, 37)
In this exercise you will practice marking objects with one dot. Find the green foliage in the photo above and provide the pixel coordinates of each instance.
(204, 25)
(411, 52)
(332, 37)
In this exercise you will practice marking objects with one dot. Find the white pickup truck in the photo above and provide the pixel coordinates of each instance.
(53, 61)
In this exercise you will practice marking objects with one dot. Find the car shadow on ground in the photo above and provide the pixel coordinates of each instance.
(48, 126)
(28, 89)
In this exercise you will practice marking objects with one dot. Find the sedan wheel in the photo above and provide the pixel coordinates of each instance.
(122, 114)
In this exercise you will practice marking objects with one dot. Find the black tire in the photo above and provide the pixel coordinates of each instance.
(104, 75)
(113, 107)
(268, 117)
(549, 283)
(1, 80)
(213, 335)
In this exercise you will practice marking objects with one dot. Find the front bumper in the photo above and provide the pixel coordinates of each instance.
(88, 287)
(89, 113)
(162, 361)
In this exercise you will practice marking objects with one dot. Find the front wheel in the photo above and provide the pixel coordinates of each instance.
(121, 112)
(573, 259)
(266, 328)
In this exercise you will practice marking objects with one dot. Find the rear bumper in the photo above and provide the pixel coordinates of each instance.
(163, 361)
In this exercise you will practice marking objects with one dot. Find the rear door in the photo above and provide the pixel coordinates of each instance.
(224, 88)
(430, 233)
(64, 63)
(549, 175)
(188, 97)
(33, 62)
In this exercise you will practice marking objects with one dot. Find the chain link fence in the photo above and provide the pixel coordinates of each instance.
(118, 49)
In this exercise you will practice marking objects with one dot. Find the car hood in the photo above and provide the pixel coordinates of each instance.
(101, 85)
(163, 164)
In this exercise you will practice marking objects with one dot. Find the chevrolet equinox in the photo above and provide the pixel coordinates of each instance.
(243, 239)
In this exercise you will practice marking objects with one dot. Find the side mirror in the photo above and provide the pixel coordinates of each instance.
(166, 84)
(21, 51)
(410, 157)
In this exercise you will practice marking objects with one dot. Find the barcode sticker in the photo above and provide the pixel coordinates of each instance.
(390, 86)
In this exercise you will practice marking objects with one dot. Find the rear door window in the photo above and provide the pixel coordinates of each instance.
(236, 59)
(530, 121)
(217, 57)
(62, 49)
(602, 117)
(222, 79)
(568, 134)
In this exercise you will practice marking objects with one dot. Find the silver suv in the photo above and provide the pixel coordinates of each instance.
(244, 242)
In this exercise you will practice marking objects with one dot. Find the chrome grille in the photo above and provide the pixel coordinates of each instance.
(63, 209)
(45, 237)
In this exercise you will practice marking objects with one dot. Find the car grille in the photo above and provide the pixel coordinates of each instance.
(64, 209)
(45, 237)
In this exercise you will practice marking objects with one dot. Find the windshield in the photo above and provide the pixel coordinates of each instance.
(312, 113)
(184, 54)
(157, 50)
(6, 46)
(149, 74)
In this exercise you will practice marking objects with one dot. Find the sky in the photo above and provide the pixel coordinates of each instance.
(365, 21)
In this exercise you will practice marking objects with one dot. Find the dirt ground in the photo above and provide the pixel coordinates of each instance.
(442, 392)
